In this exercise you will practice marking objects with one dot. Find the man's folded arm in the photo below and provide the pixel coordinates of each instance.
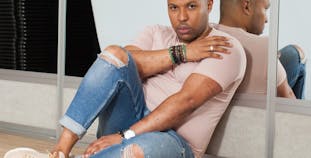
(150, 62)
(172, 112)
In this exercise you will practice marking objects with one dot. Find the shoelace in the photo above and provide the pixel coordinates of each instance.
(28, 156)
(52, 155)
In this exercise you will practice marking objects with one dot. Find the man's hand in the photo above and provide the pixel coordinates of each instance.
(102, 143)
(207, 47)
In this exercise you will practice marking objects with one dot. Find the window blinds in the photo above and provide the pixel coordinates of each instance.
(7, 35)
(28, 36)
(37, 22)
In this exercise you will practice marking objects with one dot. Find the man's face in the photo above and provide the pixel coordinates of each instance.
(259, 17)
(189, 18)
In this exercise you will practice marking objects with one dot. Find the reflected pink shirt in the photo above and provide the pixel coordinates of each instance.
(256, 49)
(228, 73)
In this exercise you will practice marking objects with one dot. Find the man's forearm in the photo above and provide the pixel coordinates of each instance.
(150, 62)
(167, 116)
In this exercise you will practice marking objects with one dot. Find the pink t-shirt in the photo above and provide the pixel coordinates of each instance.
(228, 73)
(256, 49)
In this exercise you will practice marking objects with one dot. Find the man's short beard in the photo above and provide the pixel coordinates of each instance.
(187, 40)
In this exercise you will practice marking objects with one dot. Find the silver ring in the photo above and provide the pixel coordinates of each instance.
(211, 48)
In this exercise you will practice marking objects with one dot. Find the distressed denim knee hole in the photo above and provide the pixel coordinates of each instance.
(111, 60)
(115, 55)
(132, 151)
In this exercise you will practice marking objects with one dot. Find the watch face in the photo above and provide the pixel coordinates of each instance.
(129, 134)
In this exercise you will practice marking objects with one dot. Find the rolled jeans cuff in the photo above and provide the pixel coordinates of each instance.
(73, 126)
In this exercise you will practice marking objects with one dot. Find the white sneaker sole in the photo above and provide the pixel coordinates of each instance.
(24, 152)
(13, 153)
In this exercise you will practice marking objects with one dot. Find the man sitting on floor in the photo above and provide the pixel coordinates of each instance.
(174, 112)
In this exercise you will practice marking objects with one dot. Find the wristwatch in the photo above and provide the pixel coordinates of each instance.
(127, 134)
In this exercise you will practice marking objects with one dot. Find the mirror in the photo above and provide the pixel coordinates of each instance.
(294, 45)
(289, 120)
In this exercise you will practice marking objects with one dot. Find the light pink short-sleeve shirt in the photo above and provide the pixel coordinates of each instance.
(256, 49)
(228, 73)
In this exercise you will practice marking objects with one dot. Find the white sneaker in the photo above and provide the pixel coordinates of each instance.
(29, 153)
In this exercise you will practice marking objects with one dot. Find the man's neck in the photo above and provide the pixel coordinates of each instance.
(206, 32)
(232, 23)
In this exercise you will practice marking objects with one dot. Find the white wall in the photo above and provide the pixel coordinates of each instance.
(294, 28)
(119, 21)
(29, 104)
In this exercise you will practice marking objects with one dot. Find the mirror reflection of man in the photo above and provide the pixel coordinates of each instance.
(245, 20)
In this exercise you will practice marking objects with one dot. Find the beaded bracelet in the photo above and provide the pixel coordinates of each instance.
(184, 51)
(171, 55)
(178, 54)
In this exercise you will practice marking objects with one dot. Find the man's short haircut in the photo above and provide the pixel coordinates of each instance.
(225, 5)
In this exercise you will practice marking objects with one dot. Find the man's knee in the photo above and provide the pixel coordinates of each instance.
(121, 57)
(133, 151)
(301, 53)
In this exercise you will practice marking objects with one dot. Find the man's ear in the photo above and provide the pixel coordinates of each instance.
(209, 5)
(247, 6)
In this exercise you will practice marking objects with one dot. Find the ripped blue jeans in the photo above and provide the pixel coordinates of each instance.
(114, 95)
(295, 70)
